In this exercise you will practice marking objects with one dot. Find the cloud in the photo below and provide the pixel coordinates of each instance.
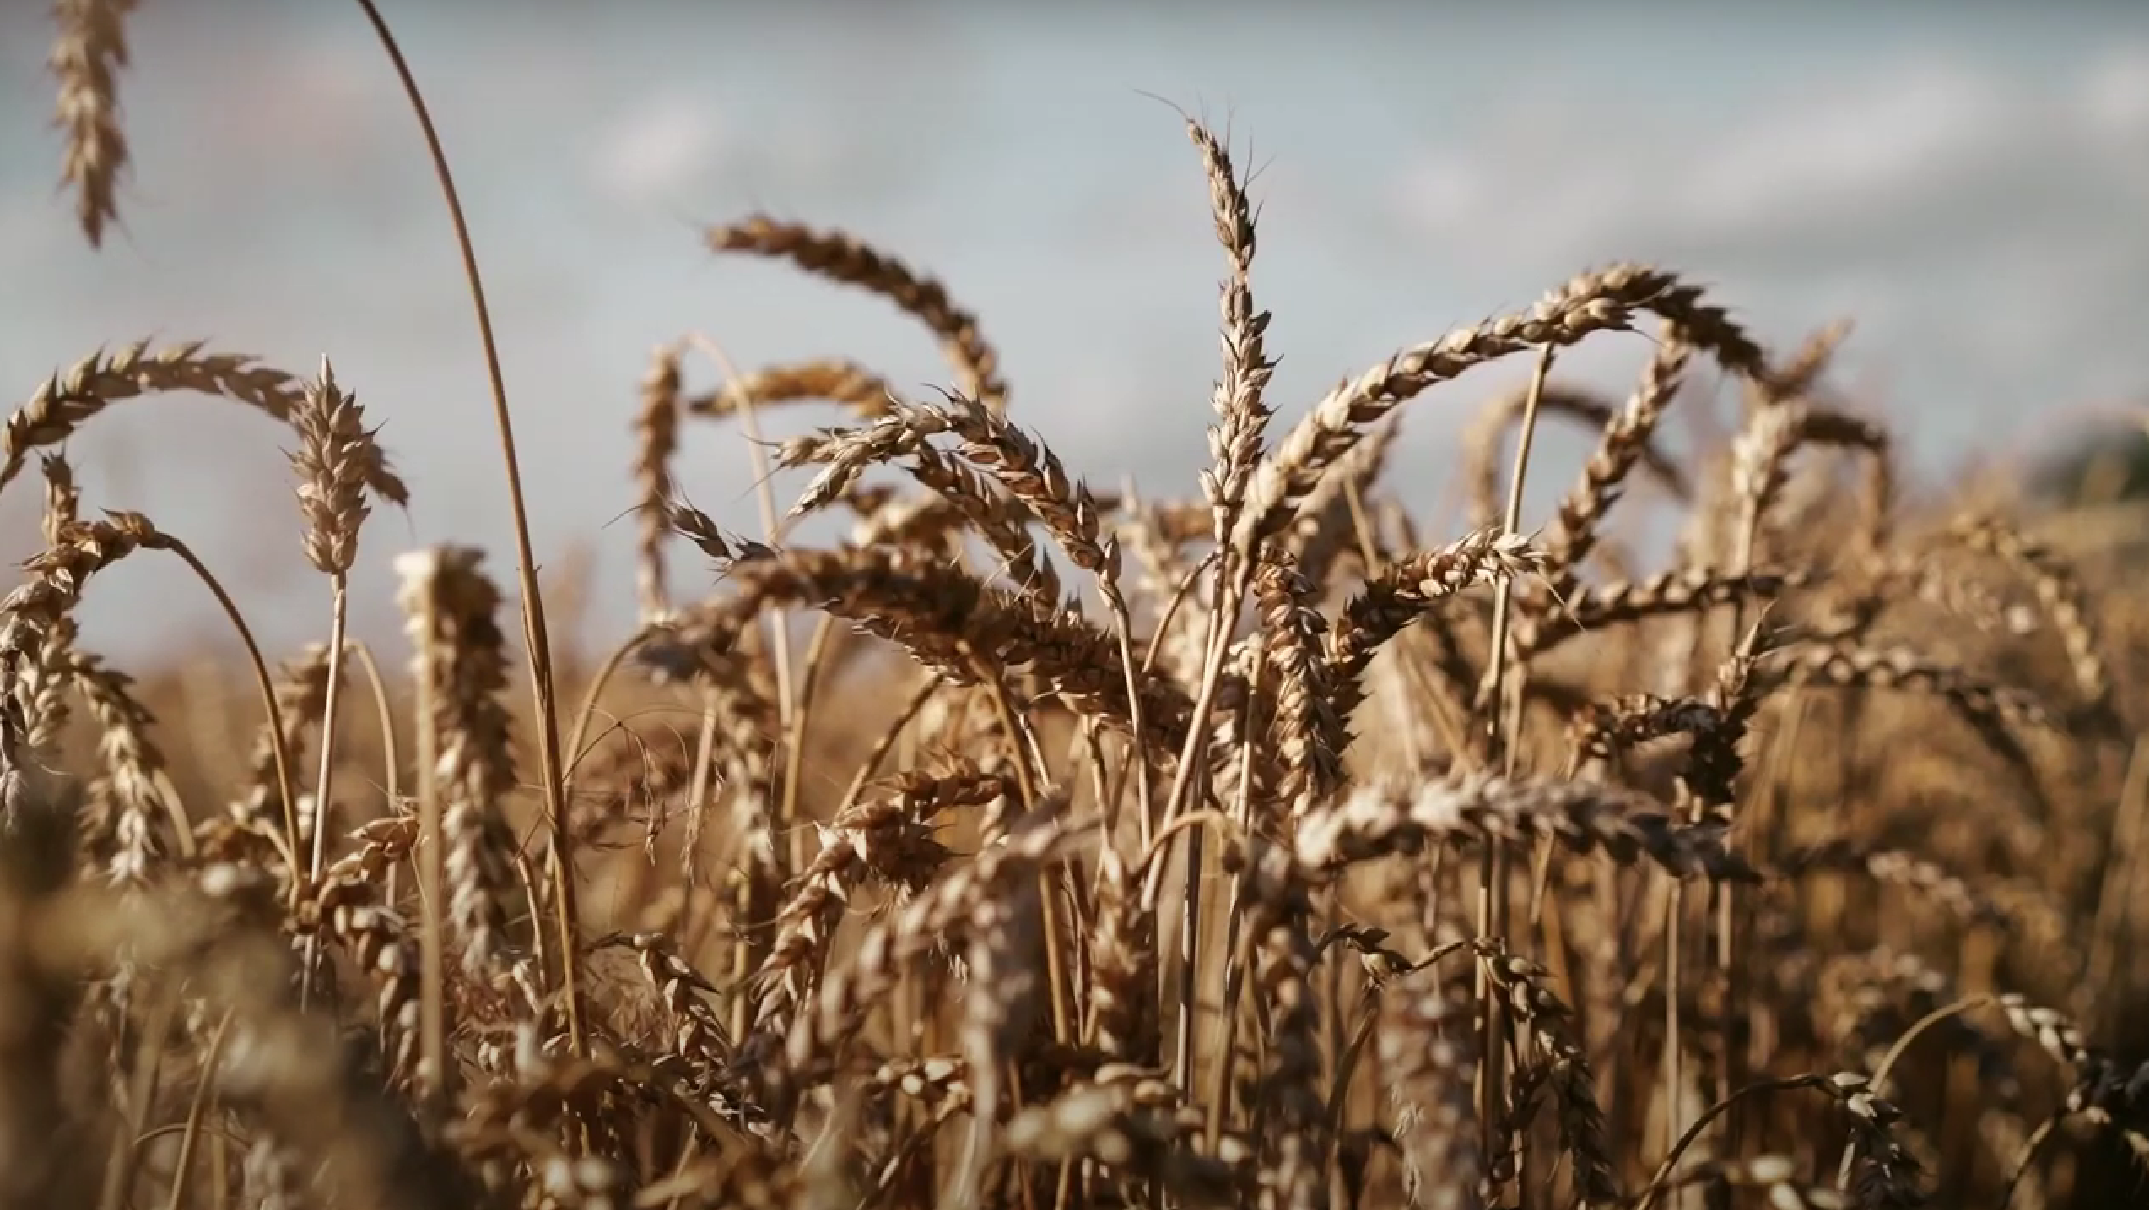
(278, 89)
(1861, 155)
(1980, 222)
(659, 148)
(1909, 158)
(2113, 97)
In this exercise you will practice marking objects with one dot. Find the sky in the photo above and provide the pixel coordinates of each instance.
(1968, 183)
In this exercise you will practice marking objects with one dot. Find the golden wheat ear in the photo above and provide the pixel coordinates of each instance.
(89, 47)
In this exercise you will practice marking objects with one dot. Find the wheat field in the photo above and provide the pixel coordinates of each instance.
(1036, 845)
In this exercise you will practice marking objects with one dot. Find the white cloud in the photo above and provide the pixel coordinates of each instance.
(310, 98)
(657, 151)
(1838, 155)
(2114, 99)
(1447, 188)
(1980, 223)
(1913, 154)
